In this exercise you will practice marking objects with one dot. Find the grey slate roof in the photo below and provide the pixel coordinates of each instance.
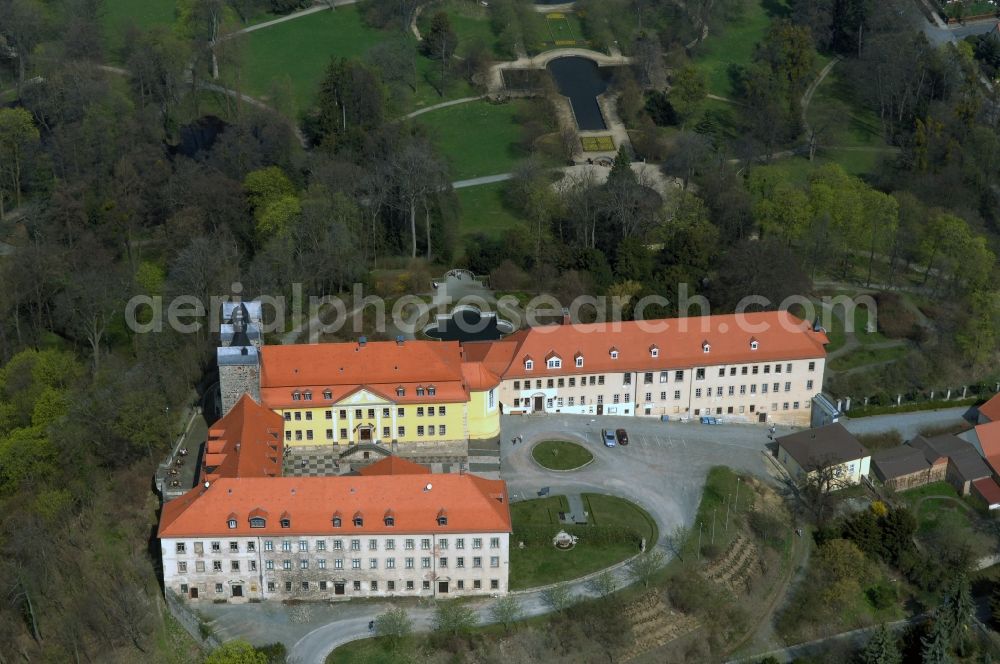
(823, 446)
(963, 456)
(899, 461)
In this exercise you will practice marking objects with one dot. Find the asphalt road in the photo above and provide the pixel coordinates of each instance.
(908, 424)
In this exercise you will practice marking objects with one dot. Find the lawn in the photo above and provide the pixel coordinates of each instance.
(735, 44)
(471, 23)
(560, 455)
(563, 29)
(301, 50)
(864, 356)
(484, 210)
(119, 15)
(478, 138)
(539, 563)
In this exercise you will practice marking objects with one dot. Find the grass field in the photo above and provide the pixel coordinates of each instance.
(560, 455)
(484, 210)
(597, 143)
(478, 138)
(864, 356)
(720, 489)
(471, 22)
(540, 564)
(301, 50)
(119, 15)
(563, 29)
(735, 44)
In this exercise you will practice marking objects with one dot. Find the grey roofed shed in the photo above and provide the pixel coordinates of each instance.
(823, 446)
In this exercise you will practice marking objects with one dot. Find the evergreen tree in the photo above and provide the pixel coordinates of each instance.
(881, 648)
(957, 611)
(621, 170)
(440, 41)
(935, 645)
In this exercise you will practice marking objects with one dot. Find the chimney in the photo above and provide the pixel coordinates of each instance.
(362, 341)
(566, 320)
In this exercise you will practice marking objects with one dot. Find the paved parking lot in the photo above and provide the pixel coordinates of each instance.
(663, 468)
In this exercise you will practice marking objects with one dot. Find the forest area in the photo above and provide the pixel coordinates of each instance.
(110, 187)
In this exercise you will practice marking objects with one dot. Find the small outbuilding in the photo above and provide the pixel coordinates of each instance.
(831, 446)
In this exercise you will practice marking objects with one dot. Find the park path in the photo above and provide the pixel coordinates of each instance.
(660, 182)
(807, 96)
(315, 9)
(444, 104)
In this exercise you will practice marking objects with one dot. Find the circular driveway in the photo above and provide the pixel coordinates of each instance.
(662, 469)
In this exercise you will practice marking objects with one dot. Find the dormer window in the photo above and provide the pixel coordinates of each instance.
(554, 363)
(529, 365)
(442, 518)
(705, 347)
(337, 521)
(307, 395)
(296, 395)
(579, 361)
(431, 391)
(327, 394)
(754, 343)
(286, 523)
(258, 522)
(654, 351)
(231, 523)
(389, 519)
(614, 353)
(400, 391)
(358, 520)
(420, 391)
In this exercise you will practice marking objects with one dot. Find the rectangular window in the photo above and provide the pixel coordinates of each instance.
(649, 396)
(600, 380)
(390, 585)
(753, 389)
(718, 391)
(743, 371)
(216, 547)
(343, 434)
(218, 587)
(494, 561)
(355, 563)
(373, 563)
(460, 562)
(767, 368)
(777, 368)
(322, 585)
(385, 412)
(795, 405)
(357, 413)
(321, 563)
(697, 393)
(460, 543)
(743, 389)
(425, 563)
(776, 387)
(550, 383)
(390, 545)
(812, 366)
(181, 547)
(199, 566)
(420, 430)
(561, 382)
(286, 564)
(410, 545)
(755, 369)
(477, 561)
(409, 585)
(357, 586)
(731, 390)
(386, 432)
(443, 544)
(615, 398)
(373, 545)
(269, 564)
(517, 384)
(355, 545)
(303, 564)
(288, 416)
(494, 542)
(425, 544)
(572, 381)
(268, 545)
(329, 434)
(788, 387)
(182, 568)
(329, 414)
(303, 545)
(309, 415)
(788, 368)
(338, 563)
(442, 562)
(430, 430)
(647, 378)
(722, 372)
(494, 584)
(784, 406)
(477, 542)
(288, 434)
(441, 410)
(399, 412)
(663, 376)
(400, 431)
(420, 411)
(409, 563)
(338, 545)
(809, 384)
(298, 416)
(678, 375)
(477, 584)
(663, 396)
(627, 379)
(763, 388)
(699, 374)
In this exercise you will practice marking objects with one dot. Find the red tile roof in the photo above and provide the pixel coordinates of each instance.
(991, 409)
(989, 443)
(988, 489)
(378, 366)
(472, 505)
(245, 443)
(681, 341)
(394, 465)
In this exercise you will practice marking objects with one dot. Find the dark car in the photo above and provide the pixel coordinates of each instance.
(622, 436)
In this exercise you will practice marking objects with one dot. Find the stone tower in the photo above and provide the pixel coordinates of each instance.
(238, 355)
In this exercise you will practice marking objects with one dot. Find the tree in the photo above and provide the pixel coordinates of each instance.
(350, 98)
(17, 135)
(506, 611)
(957, 612)
(89, 303)
(766, 268)
(604, 584)
(934, 646)
(396, 61)
(394, 625)
(156, 61)
(644, 566)
(881, 648)
(687, 90)
(789, 50)
(440, 43)
(816, 488)
(453, 618)
(23, 28)
(557, 597)
(978, 338)
(418, 172)
(272, 200)
(236, 652)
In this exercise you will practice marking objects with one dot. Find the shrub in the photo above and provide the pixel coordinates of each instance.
(710, 551)
(881, 596)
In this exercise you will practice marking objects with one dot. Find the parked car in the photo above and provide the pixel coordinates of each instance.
(622, 436)
(609, 438)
